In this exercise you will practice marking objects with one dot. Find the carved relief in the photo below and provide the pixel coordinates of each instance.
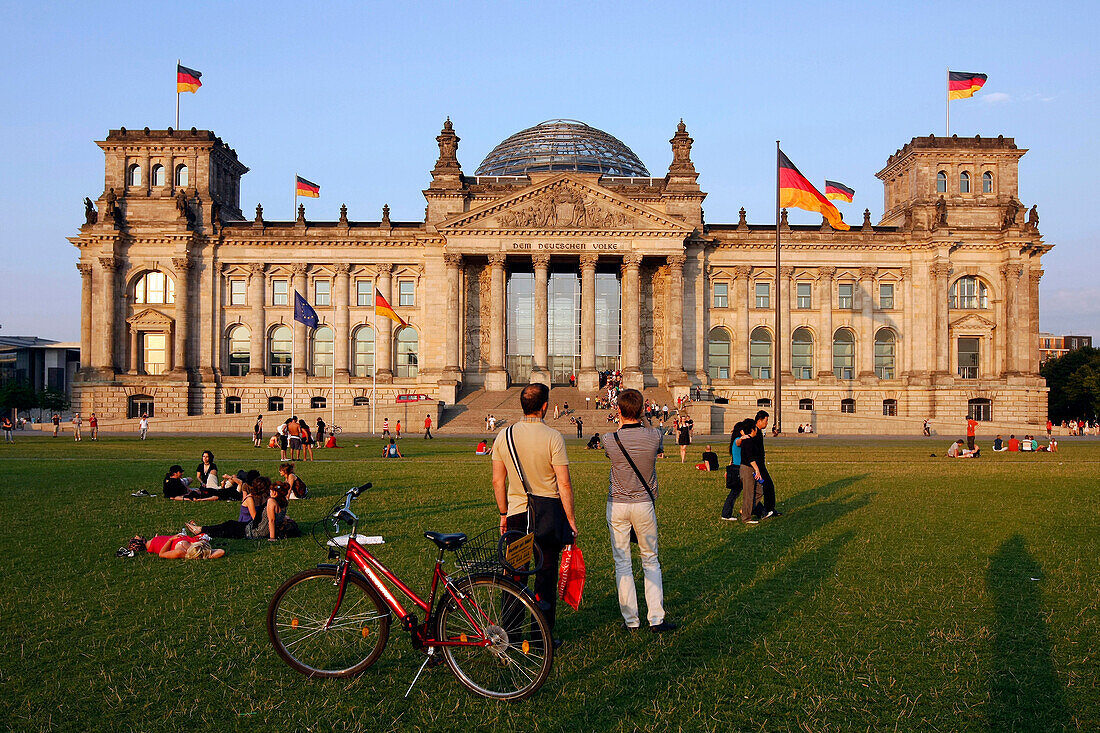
(299, 268)
(497, 259)
(84, 268)
(110, 264)
(182, 264)
(659, 279)
(342, 268)
(452, 260)
(542, 261)
(564, 208)
(477, 309)
(385, 268)
(645, 317)
(828, 272)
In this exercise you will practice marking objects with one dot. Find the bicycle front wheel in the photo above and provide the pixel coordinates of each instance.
(299, 629)
(336, 430)
(517, 660)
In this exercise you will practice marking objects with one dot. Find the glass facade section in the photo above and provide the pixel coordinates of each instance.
(322, 352)
(608, 321)
(362, 352)
(885, 350)
(760, 354)
(239, 354)
(279, 351)
(520, 326)
(562, 145)
(564, 325)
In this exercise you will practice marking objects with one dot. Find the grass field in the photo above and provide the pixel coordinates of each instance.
(899, 591)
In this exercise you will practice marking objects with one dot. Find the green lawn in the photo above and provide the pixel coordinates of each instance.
(899, 591)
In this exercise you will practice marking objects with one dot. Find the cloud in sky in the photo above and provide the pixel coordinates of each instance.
(996, 98)
(1070, 310)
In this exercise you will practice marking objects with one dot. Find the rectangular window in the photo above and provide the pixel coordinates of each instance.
(322, 290)
(805, 299)
(886, 296)
(763, 295)
(844, 299)
(279, 292)
(406, 290)
(969, 357)
(364, 293)
(236, 292)
(721, 295)
(155, 354)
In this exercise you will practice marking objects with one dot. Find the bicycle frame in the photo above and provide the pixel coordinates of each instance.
(371, 567)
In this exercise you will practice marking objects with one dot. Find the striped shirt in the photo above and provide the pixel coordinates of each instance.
(643, 444)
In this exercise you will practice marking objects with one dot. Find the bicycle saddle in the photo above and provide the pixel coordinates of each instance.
(446, 541)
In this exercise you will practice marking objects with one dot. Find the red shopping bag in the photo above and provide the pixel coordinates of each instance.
(571, 576)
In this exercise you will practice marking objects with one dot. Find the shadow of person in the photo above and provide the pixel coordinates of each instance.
(1024, 687)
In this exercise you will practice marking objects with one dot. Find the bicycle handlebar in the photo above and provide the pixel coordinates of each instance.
(344, 512)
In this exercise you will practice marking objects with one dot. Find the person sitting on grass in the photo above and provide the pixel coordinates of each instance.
(252, 521)
(207, 472)
(297, 486)
(391, 450)
(1013, 444)
(175, 485)
(999, 445)
(956, 448)
(482, 449)
(710, 461)
(1025, 444)
(172, 547)
(594, 441)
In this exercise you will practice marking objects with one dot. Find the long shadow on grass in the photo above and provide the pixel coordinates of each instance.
(1026, 693)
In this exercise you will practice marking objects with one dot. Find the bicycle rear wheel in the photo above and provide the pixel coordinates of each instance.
(297, 624)
(518, 660)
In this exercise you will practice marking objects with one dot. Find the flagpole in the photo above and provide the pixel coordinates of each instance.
(947, 101)
(294, 214)
(293, 328)
(778, 373)
(374, 368)
(334, 337)
(177, 94)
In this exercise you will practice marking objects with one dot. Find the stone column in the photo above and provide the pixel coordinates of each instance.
(675, 374)
(631, 307)
(85, 270)
(383, 340)
(541, 367)
(452, 368)
(823, 349)
(1031, 338)
(741, 274)
(342, 336)
(109, 306)
(940, 346)
(257, 296)
(182, 334)
(1011, 274)
(865, 350)
(497, 377)
(134, 345)
(905, 337)
(786, 272)
(587, 379)
(298, 285)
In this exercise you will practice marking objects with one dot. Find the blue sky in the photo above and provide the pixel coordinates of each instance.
(352, 95)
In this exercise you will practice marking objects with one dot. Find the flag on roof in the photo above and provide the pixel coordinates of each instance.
(838, 191)
(962, 84)
(796, 191)
(187, 80)
(306, 188)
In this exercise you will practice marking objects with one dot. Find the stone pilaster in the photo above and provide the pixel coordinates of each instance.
(453, 340)
(1011, 336)
(298, 285)
(823, 350)
(257, 296)
(497, 377)
(342, 336)
(180, 360)
(905, 338)
(786, 272)
(587, 378)
(1031, 368)
(106, 362)
(938, 273)
(675, 374)
(865, 350)
(85, 270)
(631, 307)
(540, 371)
(383, 340)
(741, 274)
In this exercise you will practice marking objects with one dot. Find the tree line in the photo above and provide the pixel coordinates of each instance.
(21, 396)
(1074, 382)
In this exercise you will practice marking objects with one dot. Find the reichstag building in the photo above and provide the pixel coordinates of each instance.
(562, 255)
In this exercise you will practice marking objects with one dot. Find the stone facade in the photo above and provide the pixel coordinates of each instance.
(186, 305)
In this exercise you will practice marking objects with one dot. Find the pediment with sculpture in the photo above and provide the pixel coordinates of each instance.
(564, 204)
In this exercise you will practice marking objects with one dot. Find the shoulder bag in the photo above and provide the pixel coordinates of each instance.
(645, 484)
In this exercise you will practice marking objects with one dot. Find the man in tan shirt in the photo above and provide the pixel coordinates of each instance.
(541, 452)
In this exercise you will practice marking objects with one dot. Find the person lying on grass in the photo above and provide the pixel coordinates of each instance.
(174, 547)
(247, 523)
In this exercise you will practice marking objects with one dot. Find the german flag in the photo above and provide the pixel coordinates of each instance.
(963, 84)
(187, 80)
(382, 308)
(796, 191)
(838, 191)
(306, 188)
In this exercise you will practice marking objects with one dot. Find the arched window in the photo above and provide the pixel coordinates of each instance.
(156, 177)
(133, 175)
(718, 353)
(317, 403)
(322, 352)
(407, 353)
(844, 354)
(362, 352)
(890, 408)
(980, 409)
(360, 402)
(181, 175)
(885, 349)
(970, 293)
(964, 182)
(802, 354)
(941, 182)
(274, 404)
(987, 182)
(138, 405)
(154, 287)
(239, 347)
(760, 353)
(278, 352)
(806, 404)
(848, 405)
(232, 405)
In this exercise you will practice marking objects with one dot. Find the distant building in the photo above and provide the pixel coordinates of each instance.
(42, 363)
(1051, 346)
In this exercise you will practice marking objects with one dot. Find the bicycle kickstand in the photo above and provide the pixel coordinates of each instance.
(427, 660)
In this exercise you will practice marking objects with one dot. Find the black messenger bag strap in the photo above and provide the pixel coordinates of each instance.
(645, 484)
(511, 443)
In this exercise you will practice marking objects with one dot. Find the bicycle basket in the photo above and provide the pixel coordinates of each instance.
(484, 553)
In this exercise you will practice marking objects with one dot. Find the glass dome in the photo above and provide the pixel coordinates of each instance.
(562, 145)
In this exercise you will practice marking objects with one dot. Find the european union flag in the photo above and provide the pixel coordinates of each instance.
(303, 311)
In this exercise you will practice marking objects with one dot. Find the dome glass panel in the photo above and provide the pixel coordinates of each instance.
(562, 145)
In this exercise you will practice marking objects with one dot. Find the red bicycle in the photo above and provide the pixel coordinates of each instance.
(334, 620)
